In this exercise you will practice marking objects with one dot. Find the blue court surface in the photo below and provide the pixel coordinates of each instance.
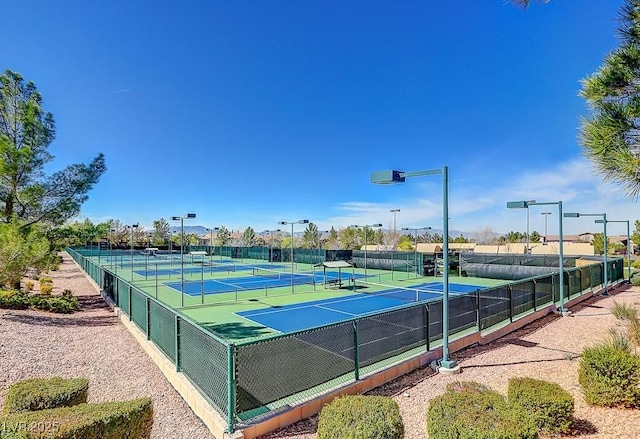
(230, 284)
(296, 317)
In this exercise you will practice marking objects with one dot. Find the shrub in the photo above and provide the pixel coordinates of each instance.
(28, 285)
(549, 404)
(628, 315)
(107, 420)
(64, 304)
(474, 412)
(609, 376)
(635, 278)
(45, 393)
(46, 289)
(14, 299)
(359, 416)
(45, 280)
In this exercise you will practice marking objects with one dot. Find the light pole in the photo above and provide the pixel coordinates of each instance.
(111, 245)
(182, 218)
(395, 230)
(415, 250)
(447, 365)
(271, 244)
(211, 244)
(133, 226)
(528, 203)
(365, 242)
(605, 242)
(282, 223)
(546, 215)
(525, 205)
(628, 243)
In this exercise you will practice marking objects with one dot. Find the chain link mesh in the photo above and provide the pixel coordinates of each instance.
(139, 309)
(162, 329)
(123, 297)
(523, 297)
(385, 335)
(203, 359)
(270, 370)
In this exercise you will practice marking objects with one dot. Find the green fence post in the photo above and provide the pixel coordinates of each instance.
(510, 304)
(130, 300)
(356, 351)
(177, 343)
(426, 327)
(148, 318)
(231, 391)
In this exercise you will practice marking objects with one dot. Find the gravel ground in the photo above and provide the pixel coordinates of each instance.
(548, 349)
(91, 344)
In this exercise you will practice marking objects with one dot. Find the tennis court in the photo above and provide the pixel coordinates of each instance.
(296, 317)
(205, 268)
(272, 280)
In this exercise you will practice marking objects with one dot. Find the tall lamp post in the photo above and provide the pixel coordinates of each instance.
(271, 244)
(415, 250)
(377, 225)
(282, 223)
(181, 219)
(605, 242)
(133, 226)
(111, 245)
(447, 365)
(628, 243)
(211, 244)
(395, 230)
(546, 215)
(525, 205)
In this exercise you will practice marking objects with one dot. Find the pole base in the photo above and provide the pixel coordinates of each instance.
(449, 367)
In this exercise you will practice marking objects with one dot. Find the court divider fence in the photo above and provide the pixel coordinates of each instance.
(249, 380)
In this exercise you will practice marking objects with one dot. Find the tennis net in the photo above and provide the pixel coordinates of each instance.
(300, 278)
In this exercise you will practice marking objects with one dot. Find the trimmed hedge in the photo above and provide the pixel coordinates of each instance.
(549, 404)
(108, 420)
(361, 417)
(45, 393)
(14, 299)
(470, 411)
(609, 376)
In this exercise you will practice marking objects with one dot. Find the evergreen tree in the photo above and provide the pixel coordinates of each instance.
(611, 137)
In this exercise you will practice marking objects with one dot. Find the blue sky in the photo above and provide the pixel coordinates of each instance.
(251, 112)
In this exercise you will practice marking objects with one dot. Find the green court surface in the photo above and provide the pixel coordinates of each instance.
(217, 311)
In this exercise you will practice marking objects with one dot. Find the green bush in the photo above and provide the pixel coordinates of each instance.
(107, 420)
(359, 416)
(609, 376)
(28, 285)
(549, 404)
(45, 393)
(14, 299)
(635, 278)
(64, 304)
(45, 280)
(473, 412)
(46, 289)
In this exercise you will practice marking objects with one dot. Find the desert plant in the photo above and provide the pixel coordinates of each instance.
(63, 304)
(360, 416)
(28, 285)
(14, 299)
(609, 376)
(46, 289)
(549, 404)
(45, 280)
(628, 315)
(470, 411)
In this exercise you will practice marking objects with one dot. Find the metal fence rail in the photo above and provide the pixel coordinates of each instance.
(246, 381)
